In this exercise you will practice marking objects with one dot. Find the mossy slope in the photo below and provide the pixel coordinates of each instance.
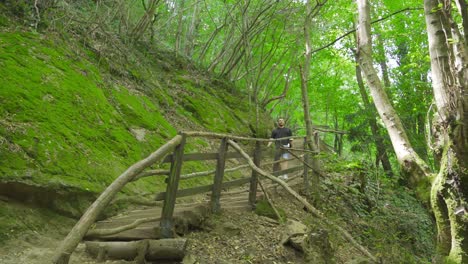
(70, 120)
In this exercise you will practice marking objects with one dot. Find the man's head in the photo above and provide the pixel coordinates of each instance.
(281, 122)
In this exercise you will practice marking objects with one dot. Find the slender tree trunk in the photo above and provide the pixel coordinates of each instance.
(144, 22)
(370, 110)
(382, 62)
(463, 11)
(192, 30)
(180, 25)
(315, 182)
(450, 187)
(411, 163)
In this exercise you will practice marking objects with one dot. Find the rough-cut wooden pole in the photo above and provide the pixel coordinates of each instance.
(301, 199)
(171, 191)
(69, 244)
(219, 175)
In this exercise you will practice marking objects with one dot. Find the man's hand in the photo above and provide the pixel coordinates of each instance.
(269, 143)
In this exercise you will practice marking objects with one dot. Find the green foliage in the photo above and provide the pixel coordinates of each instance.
(400, 229)
(386, 218)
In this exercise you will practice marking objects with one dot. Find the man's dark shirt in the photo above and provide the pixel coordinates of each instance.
(281, 132)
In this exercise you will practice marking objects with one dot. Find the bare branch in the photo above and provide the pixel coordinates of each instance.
(354, 30)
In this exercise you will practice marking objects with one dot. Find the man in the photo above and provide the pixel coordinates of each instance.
(281, 132)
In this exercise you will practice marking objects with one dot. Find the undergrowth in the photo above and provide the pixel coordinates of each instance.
(382, 215)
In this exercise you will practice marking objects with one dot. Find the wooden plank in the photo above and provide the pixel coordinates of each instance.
(219, 174)
(289, 170)
(203, 189)
(254, 178)
(202, 156)
(171, 191)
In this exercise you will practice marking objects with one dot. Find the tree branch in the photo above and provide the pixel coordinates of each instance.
(375, 21)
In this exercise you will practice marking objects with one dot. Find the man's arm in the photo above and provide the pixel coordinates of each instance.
(273, 136)
(269, 143)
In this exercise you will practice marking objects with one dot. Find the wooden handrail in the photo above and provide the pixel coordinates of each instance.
(228, 136)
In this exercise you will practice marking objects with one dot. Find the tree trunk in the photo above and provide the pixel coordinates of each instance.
(370, 110)
(192, 30)
(450, 188)
(144, 22)
(315, 182)
(180, 25)
(411, 163)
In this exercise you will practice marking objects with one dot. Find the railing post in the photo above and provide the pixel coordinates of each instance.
(219, 174)
(173, 178)
(306, 168)
(254, 179)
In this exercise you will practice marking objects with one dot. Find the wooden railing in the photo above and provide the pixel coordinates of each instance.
(179, 157)
(173, 152)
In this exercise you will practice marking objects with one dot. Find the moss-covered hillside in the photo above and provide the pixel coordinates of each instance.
(76, 113)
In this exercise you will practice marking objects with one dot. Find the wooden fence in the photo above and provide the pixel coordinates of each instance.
(179, 157)
(173, 152)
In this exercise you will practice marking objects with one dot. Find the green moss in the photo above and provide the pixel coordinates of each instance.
(64, 127)
(64, 124)
(263, 208)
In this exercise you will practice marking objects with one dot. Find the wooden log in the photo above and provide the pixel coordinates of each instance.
(166, 249)
(232, 137)
(66, 248)
(152, 250)
(171, 191)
